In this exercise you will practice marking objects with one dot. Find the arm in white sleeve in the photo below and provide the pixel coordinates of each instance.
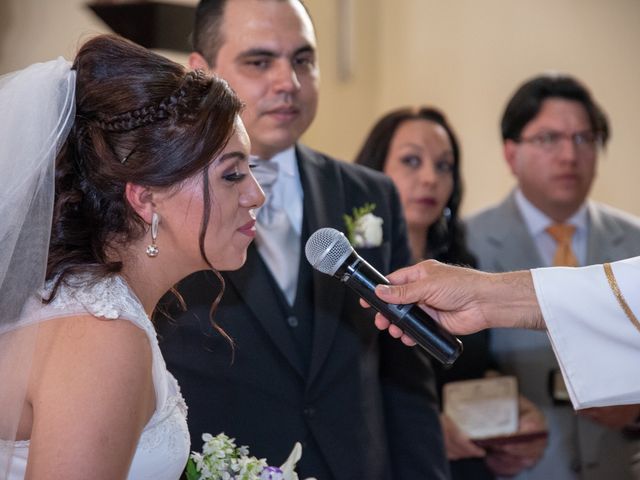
(596, 343)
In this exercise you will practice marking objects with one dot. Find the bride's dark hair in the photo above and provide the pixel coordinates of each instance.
(139, 118)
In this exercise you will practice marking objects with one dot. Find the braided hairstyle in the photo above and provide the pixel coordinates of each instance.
(139, 118)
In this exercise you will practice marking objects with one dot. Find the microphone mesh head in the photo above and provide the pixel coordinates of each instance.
(327, 249)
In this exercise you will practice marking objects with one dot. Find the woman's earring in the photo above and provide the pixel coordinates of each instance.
(443, 221)
(152, 250)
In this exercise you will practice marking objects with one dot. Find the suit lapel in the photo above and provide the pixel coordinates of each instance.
(605, 238)
(256, 287)
(324, 205)
(516, 249)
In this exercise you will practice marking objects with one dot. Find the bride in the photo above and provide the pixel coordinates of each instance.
(151, 183)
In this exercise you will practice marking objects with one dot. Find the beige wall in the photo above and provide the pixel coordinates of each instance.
(347, 108)
(465, 57)
(39, 30)
(468, 56)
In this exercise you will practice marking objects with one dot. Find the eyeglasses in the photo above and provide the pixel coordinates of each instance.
(550, 141)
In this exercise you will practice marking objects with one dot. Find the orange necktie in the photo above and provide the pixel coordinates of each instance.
(562, 233)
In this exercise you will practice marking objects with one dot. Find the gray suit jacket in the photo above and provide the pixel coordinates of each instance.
(578, 448)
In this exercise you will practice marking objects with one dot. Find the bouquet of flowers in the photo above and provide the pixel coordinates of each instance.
(221, 459)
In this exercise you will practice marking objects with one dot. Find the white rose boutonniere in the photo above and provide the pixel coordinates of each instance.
(364, 229)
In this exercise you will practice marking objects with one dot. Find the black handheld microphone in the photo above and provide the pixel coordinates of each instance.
(329, 251)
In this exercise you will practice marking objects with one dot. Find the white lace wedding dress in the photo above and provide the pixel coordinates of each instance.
(163, 447)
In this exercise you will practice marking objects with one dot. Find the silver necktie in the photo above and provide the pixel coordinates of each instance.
(276, 239)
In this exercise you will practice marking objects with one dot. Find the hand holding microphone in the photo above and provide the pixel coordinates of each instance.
(329, 251)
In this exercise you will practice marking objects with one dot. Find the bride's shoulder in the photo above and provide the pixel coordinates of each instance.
(97, 315)
(106, 297)
(86, 372)
(85, 335)
(94, 321)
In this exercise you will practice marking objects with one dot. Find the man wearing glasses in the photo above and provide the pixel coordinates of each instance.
(552, 132)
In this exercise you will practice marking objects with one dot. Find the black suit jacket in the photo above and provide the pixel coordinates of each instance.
(362, 404)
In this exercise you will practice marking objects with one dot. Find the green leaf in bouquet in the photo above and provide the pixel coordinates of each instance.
(191, 471)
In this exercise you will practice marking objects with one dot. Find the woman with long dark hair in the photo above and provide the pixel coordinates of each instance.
(434, 228)
(418, 150)
(122, 174)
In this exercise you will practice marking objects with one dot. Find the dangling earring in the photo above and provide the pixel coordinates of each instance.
(152, 250)
(443, 223)
(446, 213)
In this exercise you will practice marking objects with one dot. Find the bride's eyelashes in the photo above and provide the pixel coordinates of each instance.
(235, 173)
(235, 166)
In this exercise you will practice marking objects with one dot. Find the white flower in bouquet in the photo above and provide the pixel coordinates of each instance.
(364, 229)
(221, 459)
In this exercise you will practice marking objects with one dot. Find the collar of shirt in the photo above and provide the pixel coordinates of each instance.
(287, 190)
(537, 222)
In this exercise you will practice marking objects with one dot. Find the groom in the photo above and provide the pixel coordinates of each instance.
(307, 364)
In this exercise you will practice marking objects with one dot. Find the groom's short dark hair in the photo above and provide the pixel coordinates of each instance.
(207, 30)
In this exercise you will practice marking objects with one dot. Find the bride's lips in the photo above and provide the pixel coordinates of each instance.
(248, 229)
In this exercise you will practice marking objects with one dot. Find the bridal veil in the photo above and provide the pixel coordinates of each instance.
(36, 114)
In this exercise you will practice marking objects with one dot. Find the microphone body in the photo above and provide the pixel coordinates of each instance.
(329, 251)
(360, 276)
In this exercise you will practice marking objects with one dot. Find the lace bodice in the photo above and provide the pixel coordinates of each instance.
(163, 447)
